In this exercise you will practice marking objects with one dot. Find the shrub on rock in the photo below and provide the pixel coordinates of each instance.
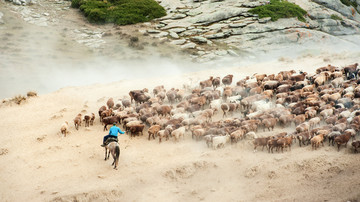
(279, 9)
(121, 12)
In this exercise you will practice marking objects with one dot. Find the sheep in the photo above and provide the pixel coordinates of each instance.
(208, 139)
(303, 137)
(129, 122)
(227, 80)
(102, 108)
(165, 133)
(299, 119)
(86, 120)
(110, 103)
(237, 135)
(299, 77)
(136, 129)
(77, 121)
(285, 120)
(216, 82)
(126, 103)
(198, 133)
(158, 89)
(326, 113)
(177, 133)
(303, 127)
(314, 121)
(342, 139)
(259, 77)
(139, 96)
(220, 141)
(206, 83)
(315, 141)
(64, 128)
(331, 137)
(250, 135)
(261, 141)
(269, 123)
(153, 131)
(92, 119)
(356, 145)
(110, 120)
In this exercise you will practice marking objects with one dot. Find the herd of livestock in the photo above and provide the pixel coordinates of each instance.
(323, 106)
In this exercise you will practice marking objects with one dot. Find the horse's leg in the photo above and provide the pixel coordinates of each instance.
(105, 153)
(114, 157)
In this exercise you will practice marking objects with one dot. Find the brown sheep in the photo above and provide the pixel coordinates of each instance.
(158, 89)
(261, 141)
(237, 135)
(206, 83)
(299, 119)
(260, 77)
(110, 103)
(110, 120)
(153, 131)
(77, 121)
(216, 82)
(303, 137)
(87, 120)
(92, 119)
(64, 128)
(286, 119)
(299, 77)
(342, 139)
(136, 129)
(356, 145)
(227, 80)
(102, 108)
(315, 141)
(270, 123)
(164, 110)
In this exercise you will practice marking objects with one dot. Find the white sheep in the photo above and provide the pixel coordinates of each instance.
(177, 133)
(220, 141)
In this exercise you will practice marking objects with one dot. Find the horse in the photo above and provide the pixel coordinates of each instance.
(114, 149)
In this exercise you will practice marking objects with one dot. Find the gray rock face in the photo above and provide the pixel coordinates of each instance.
(339, 7)
(199, 39)
(178, 16)
(174, 35)
(219, 15)
(178, 42)
(1, 18)
(189, 46)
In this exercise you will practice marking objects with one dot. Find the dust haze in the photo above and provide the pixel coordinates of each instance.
(34, 58)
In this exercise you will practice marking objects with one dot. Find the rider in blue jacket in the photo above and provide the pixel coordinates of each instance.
(113, 132)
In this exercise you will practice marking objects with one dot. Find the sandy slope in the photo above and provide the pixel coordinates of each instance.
(37, 164)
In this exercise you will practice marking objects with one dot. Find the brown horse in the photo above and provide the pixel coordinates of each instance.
(114, 149)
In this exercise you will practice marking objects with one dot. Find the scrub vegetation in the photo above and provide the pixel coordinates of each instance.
(121, 12)
(279, 9)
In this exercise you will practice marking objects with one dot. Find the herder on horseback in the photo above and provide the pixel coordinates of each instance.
(113, 135)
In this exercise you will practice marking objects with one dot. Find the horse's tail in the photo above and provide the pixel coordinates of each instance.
(117, 154)
(117, 151)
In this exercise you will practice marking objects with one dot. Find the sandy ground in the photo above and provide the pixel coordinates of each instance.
(38, 164)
